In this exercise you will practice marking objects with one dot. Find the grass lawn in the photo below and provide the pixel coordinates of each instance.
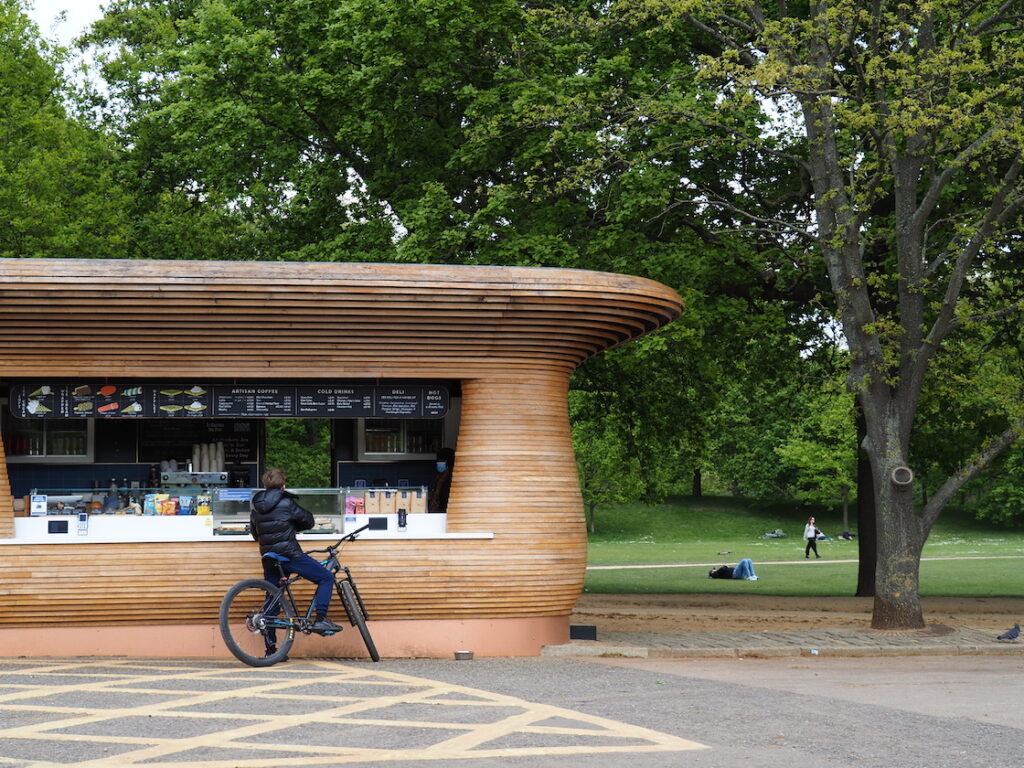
(693, 533)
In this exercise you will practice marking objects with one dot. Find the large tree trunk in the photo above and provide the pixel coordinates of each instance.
(900, 541)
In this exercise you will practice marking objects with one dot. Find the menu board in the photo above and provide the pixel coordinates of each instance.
(254, 401)
(167, 401)
(396, 402)
(337, 402)
(435, 402)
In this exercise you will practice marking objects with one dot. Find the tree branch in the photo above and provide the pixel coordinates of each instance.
(995, 18)
(940, 328)
(722, 38)
(778, 225)
(931, 197)
(946, 321)
(997, 314)
(754, 142)
(982, 461)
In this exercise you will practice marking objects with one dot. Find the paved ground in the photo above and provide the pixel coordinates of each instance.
(206, 713)
(803, 712)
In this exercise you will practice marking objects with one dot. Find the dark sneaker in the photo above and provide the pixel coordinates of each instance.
(271, 651)
(324, 626)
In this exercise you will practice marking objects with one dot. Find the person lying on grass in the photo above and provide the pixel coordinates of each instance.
(744, 570)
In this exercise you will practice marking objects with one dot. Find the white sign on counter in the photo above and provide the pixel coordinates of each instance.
(37, 504)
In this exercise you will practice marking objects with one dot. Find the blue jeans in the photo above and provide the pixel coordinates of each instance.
(744, 569)
(309, 569)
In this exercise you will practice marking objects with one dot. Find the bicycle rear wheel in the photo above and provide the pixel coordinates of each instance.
(356, 617)
(250, 618)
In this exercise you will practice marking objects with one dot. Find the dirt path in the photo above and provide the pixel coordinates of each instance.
(753, 613)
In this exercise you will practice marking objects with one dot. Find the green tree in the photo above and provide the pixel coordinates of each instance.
(904, 122)
(821, 448)
(780, 427)
(331, 128)
(982, 368)
(59, 191)
(608, 474)
(431, 132)
(302, 448)
(1001, 497)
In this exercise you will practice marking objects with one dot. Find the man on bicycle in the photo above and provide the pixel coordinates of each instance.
(274, 519)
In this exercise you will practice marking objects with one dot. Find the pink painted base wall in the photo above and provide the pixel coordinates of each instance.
(394, 639)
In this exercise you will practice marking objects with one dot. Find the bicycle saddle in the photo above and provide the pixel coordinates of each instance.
(275, 556)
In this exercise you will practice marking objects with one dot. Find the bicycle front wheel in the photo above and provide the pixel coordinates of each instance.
(257, 623)
(353, 607)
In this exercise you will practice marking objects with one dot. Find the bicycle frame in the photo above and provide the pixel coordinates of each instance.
(253, 609)
(302, 622)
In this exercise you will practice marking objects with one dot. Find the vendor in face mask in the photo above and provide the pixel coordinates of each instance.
(442, 485)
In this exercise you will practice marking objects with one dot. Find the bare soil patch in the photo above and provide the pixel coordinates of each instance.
(758, 613)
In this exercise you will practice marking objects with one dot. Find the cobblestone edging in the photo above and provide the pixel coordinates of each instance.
(964, 640)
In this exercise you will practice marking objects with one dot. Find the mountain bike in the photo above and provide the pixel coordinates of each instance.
(259, 620)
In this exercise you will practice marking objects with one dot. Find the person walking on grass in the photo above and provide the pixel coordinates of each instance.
(811, 534)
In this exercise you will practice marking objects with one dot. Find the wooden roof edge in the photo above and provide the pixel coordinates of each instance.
(272, 273)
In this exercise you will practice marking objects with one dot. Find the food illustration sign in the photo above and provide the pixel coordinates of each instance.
(105, 400)
(170, 401)
(38, 400)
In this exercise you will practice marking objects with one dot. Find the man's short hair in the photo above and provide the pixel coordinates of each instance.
(273, 478)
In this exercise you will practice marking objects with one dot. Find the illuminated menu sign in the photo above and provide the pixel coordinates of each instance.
(339, 402)
(163, 401)
(410, 402)
(254, 401)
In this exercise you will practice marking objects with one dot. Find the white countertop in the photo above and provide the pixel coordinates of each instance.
(115, 529)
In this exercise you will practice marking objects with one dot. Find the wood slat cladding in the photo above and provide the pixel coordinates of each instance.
(178, 583)
(510, 336)
(6, 502)
(246, 319)
(514, 476)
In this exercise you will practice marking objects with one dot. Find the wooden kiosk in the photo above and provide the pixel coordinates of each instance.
(499, 577)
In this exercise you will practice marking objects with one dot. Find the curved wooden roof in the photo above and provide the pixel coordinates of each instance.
(73, 317)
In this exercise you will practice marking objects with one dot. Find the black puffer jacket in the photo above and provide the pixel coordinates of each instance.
(274, 520)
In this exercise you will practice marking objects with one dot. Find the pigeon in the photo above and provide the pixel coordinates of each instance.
(1010, 634)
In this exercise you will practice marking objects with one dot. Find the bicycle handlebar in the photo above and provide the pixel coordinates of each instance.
(352, 536)
(347, 537)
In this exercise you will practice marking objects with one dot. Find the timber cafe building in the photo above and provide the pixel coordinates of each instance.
(133, 401)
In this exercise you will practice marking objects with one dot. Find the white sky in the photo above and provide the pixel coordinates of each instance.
(80, 14)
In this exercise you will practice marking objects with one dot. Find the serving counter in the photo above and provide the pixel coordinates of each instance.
(336, 511)
(110, 529)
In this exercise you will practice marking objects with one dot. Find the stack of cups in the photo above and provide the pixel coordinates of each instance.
(208, 457)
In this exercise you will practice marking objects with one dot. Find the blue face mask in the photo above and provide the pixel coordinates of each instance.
(442, 466)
